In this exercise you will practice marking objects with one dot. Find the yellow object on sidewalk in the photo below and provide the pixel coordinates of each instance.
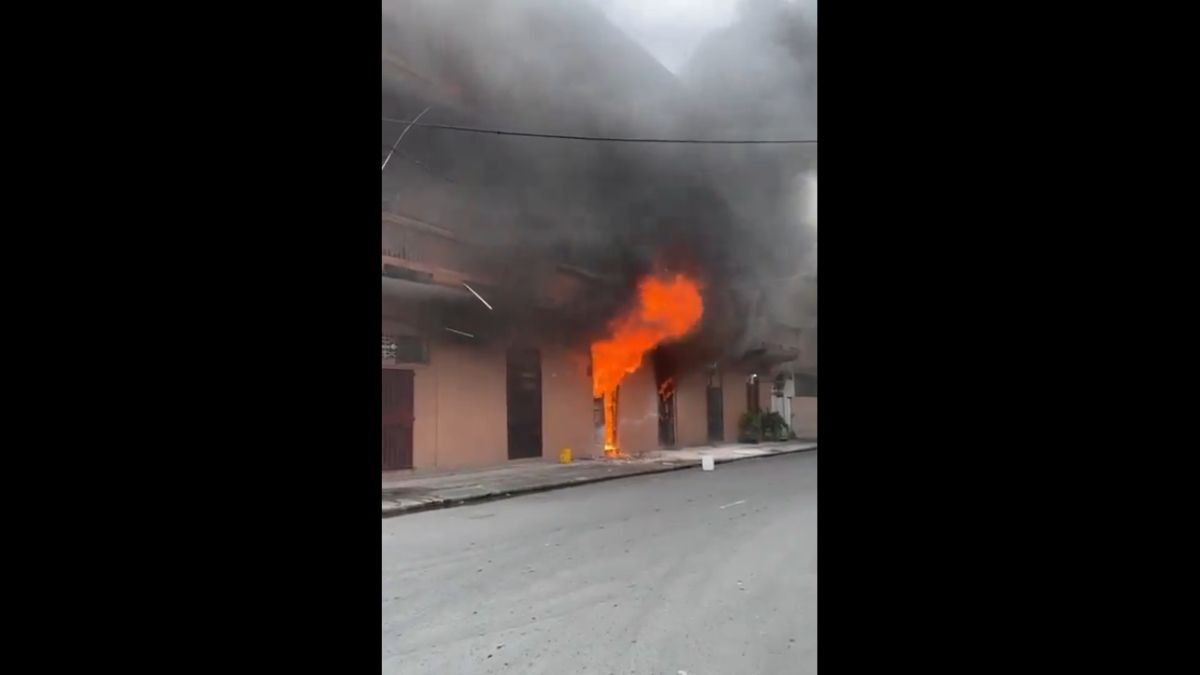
(564, 456)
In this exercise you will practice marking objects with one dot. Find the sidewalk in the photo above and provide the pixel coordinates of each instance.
(407, 495)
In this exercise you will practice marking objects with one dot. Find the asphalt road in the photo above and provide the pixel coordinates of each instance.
(697, 572)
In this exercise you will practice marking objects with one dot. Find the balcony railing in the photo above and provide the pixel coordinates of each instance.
(427, 245)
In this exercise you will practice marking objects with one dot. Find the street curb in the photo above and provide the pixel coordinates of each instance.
(495, 496)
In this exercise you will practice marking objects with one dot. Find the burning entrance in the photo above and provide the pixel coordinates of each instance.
(667, 310)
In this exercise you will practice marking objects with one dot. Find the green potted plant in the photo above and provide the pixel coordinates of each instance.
(774, 428)
(750, 429)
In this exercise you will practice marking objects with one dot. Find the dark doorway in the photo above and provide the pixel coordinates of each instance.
(397, 397)
(752, 394)
(716, 407)
(524, 403)
(664, 380)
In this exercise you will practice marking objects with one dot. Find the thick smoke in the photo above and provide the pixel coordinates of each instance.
(758, 78)
(737, 217)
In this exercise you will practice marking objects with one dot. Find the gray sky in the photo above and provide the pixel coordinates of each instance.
(670, 29)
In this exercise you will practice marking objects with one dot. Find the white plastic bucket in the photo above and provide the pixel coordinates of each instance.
(706, 462)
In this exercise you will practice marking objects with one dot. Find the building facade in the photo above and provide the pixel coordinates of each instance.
(500, 258)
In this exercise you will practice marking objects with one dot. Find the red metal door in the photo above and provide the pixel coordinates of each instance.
(397, 396)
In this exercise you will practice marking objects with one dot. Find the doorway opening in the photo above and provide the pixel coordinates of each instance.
(664, 382)
(397, 396)
(524, 403)
(715, 397)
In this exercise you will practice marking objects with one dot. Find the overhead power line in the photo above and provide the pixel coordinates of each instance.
(610, 139)
(402, 134)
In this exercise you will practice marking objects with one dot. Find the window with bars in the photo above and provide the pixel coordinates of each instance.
(404, 349)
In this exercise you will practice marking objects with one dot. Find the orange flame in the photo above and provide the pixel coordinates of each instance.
(667, 310)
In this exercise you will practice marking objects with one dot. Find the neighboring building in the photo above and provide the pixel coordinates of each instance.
(472, 219)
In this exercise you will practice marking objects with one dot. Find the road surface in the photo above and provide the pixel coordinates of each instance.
(694, 572)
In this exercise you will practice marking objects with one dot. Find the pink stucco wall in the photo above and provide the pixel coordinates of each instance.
(691, 413)
(566, 404)
(637, 430)
(460, 407)
(804, 416)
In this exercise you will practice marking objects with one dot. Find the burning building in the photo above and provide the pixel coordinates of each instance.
(540, 294)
